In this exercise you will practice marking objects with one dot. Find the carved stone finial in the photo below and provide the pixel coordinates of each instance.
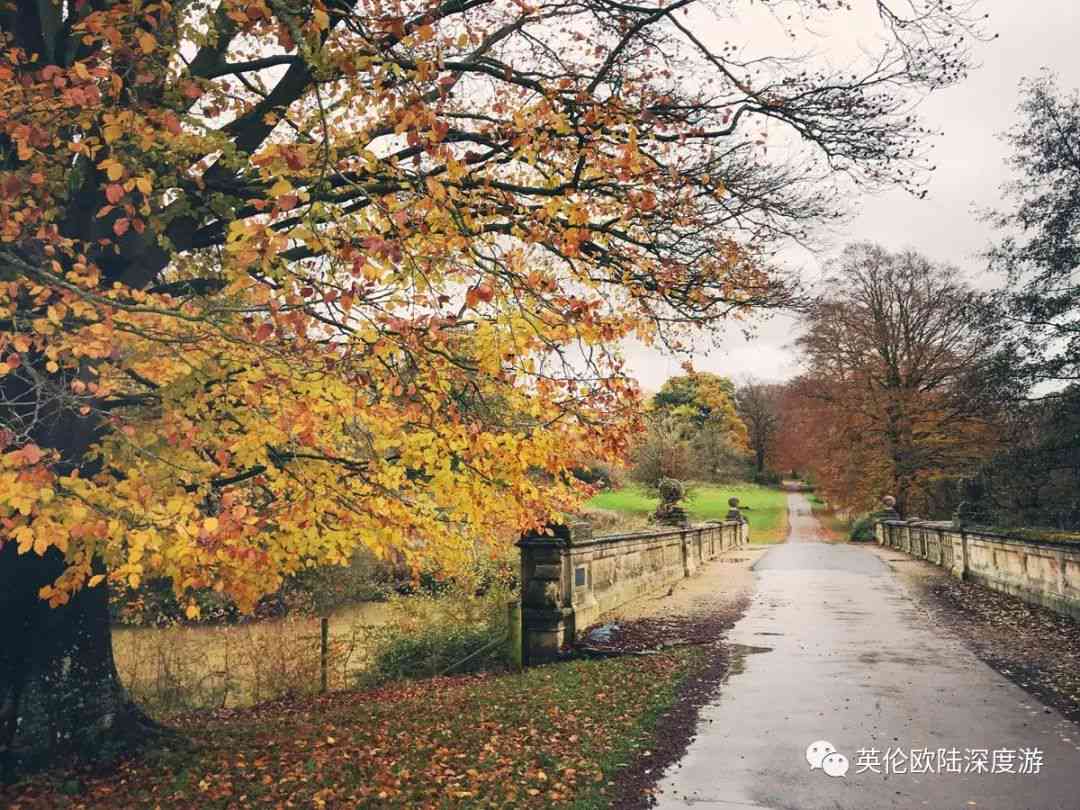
(888, 510)
(671, 490)
(733, 512)
(669, 512)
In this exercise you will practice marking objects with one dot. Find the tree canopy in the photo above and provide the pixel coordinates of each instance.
(759, 407)
(1040, 252)
(897, 350)
(278, 279)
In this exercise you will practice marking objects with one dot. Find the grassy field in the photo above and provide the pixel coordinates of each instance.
(461, 742)
(764, 507)
(184, 668)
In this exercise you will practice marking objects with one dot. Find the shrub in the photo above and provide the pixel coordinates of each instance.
(454, 631)
(595, 474)
(315, 591)
(767, 478)
(863, 529)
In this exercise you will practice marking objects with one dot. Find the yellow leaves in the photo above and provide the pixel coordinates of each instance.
(24, 536)
(40, 538)
(456, 170)
(95, 580)
(435, 188)
(113, 168)
(56, 313)
(147, 43)
(350, 401)
(281, 187)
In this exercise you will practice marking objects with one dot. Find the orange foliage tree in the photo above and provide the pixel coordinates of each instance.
(896, 393)
(279, 279)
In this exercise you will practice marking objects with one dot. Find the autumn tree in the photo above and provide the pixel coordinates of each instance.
(279, 279)
(692, 429)
(758, 405)
(898, 349)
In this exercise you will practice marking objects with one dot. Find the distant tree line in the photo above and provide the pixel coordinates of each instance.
(918, 385)
(694, 431)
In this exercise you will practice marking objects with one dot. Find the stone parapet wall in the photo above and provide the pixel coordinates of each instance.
(571, 577)
(1041, 572)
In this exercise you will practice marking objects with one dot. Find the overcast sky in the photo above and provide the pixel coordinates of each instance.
(970, 163)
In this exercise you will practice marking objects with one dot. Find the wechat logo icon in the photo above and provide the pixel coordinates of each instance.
(822, 755)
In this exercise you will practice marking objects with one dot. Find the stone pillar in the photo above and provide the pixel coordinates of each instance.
(546, 591)
(887, 512)
(686, 543)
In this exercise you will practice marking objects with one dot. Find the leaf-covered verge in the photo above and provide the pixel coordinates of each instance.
(1035, 648)
(835, 527)
(551, 736)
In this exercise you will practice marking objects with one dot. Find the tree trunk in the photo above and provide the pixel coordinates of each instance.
(59, 690)
(60, 695)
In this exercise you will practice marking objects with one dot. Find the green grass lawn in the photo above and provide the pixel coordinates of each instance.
(765, 508)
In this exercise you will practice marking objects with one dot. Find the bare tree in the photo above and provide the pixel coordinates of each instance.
(758, 406)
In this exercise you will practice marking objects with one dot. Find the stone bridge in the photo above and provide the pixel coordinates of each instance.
(570, 577)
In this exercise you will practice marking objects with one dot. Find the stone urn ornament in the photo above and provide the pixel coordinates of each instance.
(889, 511)
(734, 513)
(669, 512)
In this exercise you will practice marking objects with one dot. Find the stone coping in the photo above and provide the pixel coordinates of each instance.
(1011, 539)
(645, 534)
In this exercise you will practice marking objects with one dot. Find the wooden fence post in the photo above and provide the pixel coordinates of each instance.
(513, 637)
(324, 653)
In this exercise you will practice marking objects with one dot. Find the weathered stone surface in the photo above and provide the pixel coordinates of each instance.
(1040, 572)
(570, 577)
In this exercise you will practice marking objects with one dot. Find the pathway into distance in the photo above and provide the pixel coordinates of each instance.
(836, 650)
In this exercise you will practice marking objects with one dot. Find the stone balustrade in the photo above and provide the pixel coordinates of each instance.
(570, 577)
(1041, 572)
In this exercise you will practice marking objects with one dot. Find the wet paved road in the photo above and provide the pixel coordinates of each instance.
(834, 649)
